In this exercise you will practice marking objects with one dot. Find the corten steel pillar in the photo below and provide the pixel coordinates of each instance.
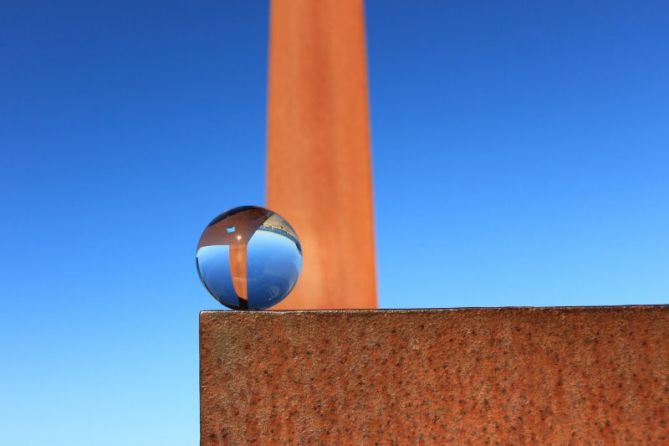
(319, 167)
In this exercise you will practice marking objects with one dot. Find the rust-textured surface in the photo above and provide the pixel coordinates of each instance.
(523, 376)
(318, 157)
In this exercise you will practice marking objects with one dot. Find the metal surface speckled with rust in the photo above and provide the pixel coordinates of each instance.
(540, 376)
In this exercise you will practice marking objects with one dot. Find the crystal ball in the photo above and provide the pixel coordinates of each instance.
(249, 258)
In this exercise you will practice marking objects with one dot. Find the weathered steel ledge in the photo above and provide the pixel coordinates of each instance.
(540, 376)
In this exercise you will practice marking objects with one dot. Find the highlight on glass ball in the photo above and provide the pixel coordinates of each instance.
(249, 258)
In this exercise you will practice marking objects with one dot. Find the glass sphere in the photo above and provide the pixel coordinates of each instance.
(249, 258)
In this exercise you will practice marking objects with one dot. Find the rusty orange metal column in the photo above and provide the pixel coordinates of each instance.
(319, 166)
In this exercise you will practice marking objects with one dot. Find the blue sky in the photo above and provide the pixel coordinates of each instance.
(521, 157)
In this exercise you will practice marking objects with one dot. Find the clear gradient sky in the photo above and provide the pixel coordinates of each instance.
(521, 157)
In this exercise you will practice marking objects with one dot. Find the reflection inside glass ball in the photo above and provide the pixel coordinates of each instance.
(249, 258)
